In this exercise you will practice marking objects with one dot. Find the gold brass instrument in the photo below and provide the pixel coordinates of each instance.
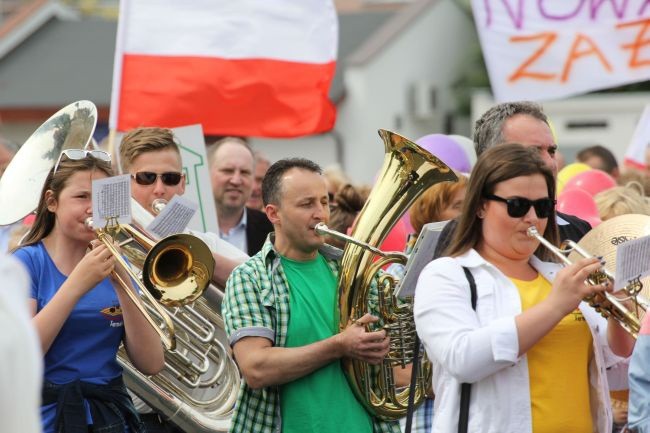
(407, 172)
(605, 303)
(175, 271)
(198, 387)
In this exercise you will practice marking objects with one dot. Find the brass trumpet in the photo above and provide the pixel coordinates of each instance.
(605, 303)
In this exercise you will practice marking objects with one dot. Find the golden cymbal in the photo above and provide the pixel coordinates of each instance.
(608, 235)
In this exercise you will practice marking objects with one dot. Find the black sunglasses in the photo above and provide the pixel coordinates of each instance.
(170, 178)
(519, 206)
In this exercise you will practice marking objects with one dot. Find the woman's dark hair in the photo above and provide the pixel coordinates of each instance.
(56, 182)
(346, 205)
(496, 165)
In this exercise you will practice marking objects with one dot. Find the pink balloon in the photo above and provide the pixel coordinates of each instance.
(579, 203)
(592, 181)
(396, 238)
(406, 220)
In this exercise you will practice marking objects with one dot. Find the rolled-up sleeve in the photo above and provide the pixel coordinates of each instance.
(468, 348)
(244, 312)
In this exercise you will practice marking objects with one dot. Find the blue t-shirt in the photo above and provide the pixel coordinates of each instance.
(85, 348)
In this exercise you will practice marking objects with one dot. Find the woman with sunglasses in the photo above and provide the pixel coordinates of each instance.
(79, 315)
(534, 355)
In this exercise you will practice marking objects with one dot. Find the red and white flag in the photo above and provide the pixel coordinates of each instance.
(239, 67)
(635, 155)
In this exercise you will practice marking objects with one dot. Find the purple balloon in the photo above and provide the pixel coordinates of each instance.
(447, 150)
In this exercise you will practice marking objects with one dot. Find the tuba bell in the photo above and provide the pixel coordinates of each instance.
(407, 171)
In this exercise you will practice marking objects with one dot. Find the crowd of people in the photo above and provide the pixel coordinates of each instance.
(513, 345)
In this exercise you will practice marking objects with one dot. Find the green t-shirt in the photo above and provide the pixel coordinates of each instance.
(321, 401)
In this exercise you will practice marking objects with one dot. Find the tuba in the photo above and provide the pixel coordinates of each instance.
(407, 171)
(198, 386)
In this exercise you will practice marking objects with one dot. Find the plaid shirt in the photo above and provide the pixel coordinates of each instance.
(256, 304)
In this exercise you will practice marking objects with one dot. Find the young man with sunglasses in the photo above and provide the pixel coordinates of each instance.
(152, 157)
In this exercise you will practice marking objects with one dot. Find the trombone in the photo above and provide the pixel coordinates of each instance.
(605, 303)
(175, 272)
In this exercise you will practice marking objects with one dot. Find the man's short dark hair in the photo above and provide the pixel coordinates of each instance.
(488, 130)
(605, 155)
(272, 182)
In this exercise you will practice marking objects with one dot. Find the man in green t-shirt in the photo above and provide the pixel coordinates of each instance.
(281, 316)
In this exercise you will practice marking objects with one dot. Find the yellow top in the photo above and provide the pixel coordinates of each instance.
(558, 368)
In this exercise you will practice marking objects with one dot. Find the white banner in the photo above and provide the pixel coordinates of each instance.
(537, 49)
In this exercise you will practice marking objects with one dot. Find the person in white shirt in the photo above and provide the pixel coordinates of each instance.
(534, 353)
(21, 365)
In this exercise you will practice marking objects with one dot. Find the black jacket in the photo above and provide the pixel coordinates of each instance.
(258, 227)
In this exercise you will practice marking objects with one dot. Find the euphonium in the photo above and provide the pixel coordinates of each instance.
(198, 387)
(407, 172)
(605, 303)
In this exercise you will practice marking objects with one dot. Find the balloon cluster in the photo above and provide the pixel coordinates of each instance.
(577, 184)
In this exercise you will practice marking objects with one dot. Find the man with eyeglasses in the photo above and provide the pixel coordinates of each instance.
(232, 166)
(524, 123)
(153, 159)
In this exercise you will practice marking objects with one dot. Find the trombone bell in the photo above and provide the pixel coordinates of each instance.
(178, 269)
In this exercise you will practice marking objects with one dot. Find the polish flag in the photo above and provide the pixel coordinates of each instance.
(239, 67)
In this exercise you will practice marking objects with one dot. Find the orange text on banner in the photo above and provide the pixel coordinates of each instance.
(582, 46)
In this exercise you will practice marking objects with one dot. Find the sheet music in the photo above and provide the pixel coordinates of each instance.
(421, 255)
(111, 200)
(174, 217)
(632, 261)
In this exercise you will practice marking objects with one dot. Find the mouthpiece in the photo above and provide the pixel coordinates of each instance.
(88, 222)
(158, 205)
(321, 229)
(532, 232)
